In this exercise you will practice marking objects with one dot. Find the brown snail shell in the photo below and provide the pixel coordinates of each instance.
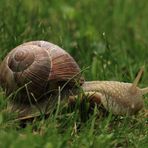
(34, 69)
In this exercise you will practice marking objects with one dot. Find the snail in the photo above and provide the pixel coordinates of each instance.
(33, 74)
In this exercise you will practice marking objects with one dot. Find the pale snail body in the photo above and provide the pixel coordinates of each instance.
(41, 67)
(116, 97)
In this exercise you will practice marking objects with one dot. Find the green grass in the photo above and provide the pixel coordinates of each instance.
(109, 37)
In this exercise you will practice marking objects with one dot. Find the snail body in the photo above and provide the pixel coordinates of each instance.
(35, 70)
(116, 97)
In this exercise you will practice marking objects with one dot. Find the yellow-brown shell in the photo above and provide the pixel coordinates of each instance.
(35, 67)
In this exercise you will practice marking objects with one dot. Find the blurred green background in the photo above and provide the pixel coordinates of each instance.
(107, 36)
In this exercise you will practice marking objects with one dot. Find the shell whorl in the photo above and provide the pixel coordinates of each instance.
(28, 65)
(21, 58)
(63, 66)
(38, 67)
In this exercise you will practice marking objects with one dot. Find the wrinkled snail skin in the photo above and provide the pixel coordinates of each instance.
(34, 71)
(116, 97)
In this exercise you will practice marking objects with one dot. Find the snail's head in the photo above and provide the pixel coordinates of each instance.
(122, 98)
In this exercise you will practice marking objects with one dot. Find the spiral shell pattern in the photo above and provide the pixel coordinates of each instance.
(36, 67)
(63, 66)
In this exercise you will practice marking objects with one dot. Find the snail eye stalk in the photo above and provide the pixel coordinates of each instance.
(137, 79)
